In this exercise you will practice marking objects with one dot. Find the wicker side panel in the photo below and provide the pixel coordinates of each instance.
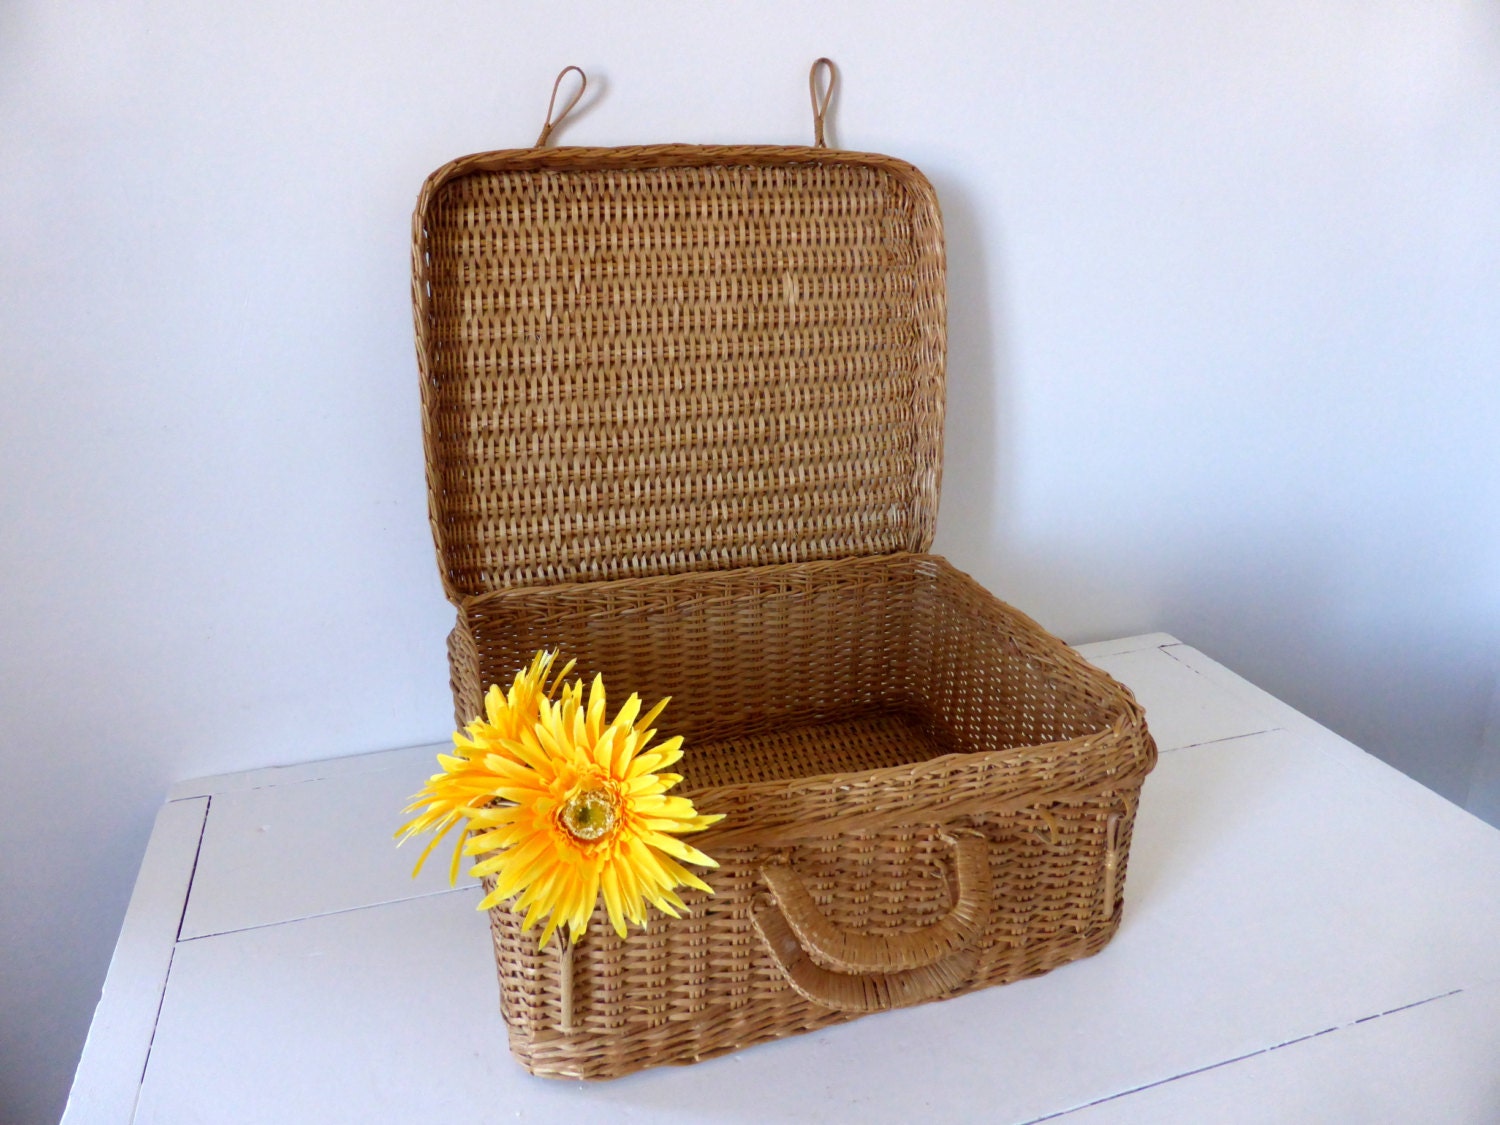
(651, 361)
(680, 991)
(464, 675)
(848, 713)
(992, 677)
(739, 652)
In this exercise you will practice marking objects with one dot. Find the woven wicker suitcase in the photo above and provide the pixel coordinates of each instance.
(683, 416)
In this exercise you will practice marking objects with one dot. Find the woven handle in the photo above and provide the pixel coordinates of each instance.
(865, 972)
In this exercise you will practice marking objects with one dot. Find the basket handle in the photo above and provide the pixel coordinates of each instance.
(865, 972)
(820, 108)
(550, 124)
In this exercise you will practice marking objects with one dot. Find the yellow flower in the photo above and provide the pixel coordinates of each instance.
(586, 813)
(466, 782)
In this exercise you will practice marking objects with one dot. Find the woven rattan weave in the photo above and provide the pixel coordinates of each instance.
(650, 360)
(683, 414)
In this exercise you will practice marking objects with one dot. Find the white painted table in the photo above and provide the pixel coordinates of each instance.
(1308, 936)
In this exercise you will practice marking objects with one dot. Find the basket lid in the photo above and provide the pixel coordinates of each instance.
(641, 361)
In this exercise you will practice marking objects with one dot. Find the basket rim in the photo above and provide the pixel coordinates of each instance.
(594, 158)
(1125, 720)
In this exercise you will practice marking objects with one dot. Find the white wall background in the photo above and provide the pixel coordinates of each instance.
(1225, 289)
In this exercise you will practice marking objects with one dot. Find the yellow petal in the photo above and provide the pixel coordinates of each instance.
(627, 714)
(595, 725)
(682, 875)
(609, 884)
(650, 784)
(672, 846)
(653, 714)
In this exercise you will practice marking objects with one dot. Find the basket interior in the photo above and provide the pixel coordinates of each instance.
(811, 750)
(679, 360)
(805, 670)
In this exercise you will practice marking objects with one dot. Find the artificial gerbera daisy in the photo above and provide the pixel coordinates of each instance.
(466, 782)
(586, 813)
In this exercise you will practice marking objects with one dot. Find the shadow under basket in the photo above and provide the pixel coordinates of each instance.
(924, 793)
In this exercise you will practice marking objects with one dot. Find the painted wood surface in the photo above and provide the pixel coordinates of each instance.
(279, 852)
(114, 1056)
(1435, 1061)
(1284, 888)
(1273, 894)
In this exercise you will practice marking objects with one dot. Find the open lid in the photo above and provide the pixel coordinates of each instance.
(650, 360)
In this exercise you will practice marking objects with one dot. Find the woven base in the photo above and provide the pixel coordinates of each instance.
(866, 725)
(851, 746)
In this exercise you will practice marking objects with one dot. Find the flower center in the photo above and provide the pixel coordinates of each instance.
(588, 815)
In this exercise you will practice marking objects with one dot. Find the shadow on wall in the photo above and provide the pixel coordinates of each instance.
(1416, 693)
(1484, 790)
(1273, 601)
(978, 461)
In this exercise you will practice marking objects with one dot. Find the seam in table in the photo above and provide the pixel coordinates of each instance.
(1241, 1058)
(328, 913)
(193, 872)
(1255, 700)
(161, 997)
(1216, 741)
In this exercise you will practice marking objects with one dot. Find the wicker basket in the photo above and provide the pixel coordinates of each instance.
(683, 413)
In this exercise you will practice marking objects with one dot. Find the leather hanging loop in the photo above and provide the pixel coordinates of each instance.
(820, 106)
(550, 124)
